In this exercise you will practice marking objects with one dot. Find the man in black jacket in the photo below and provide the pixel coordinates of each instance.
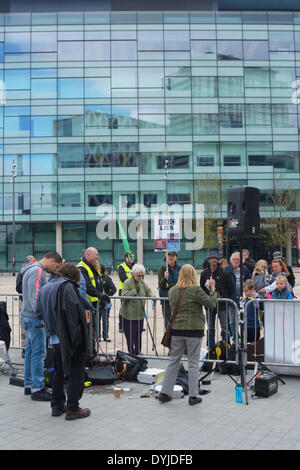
(109, 289)
(62, 310)
(224, 288)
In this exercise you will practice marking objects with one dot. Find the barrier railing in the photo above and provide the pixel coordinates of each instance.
(151, 329)
(279, 344)
(12, 306)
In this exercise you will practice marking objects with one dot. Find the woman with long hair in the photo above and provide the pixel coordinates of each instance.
(260, 276)
(278, 268)
(187, 330)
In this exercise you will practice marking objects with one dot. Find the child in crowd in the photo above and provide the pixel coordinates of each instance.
(254, 311)
(282, 291)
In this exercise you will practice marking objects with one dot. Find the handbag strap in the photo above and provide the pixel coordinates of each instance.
(182, 291)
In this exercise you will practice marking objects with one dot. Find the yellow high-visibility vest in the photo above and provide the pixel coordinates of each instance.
(91, 276)
(127, 272)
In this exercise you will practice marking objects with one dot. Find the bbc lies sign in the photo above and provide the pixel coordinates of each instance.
(166, 233)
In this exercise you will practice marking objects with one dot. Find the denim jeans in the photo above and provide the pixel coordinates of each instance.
(211, 321)
(104, 316)
(35, 353)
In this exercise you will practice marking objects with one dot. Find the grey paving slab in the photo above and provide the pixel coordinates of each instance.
(144, 423)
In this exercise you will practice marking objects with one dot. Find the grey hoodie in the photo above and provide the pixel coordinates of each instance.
(34, 277)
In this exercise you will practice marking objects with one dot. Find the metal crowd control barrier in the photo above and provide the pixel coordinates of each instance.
(152, 329)
(279, 345)
(13, 309)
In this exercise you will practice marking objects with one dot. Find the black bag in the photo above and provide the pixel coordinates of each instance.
(183, 379)
(127, 366)
(101, 370)
(104, 374)
(218, 352)
(230, 369)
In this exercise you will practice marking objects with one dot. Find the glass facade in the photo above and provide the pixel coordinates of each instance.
(95, 105)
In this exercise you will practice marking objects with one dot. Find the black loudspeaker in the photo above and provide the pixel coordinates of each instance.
(243, 210)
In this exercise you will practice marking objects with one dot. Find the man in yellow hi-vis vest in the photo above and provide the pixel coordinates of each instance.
(124, 272)
(92, 277)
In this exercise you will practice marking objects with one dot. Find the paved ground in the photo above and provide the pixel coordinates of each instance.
(124, 423)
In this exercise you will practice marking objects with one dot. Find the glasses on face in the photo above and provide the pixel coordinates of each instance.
(140, 275)
(235, 259)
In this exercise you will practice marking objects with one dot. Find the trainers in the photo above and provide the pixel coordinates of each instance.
(27, 391)
(41, 395)
(107, 340)
(163, 398)
(79, 413)
(194, 400)
(59, 411)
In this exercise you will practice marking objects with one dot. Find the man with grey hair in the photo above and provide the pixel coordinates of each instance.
(238, 280)
(247, 261)
(90, 269)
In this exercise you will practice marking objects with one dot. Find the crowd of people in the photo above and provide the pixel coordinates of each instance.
(61, 310)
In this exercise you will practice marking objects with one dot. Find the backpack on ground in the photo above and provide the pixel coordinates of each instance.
(230, 369)
(127, 366)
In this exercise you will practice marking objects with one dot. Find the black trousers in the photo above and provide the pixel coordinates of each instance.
(75, 380)
(166, 312)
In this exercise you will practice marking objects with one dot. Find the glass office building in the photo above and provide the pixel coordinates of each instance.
(157, 106)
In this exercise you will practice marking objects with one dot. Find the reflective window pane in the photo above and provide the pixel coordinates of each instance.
(281, 41)
(256, 50)
(123, 50)
(43, 42)
(147, 41)
(44, 88)
(69, 126)
(43, 164)
(282, 76)
(70, 50)
(97, 50)
(203, 50)
(17, 79)
(43, 126)
(204, 87)
(231, 87)
(177, 124)
(151, 77)
(70, 88)
(22, 163)
(97, 87)
(229, 50)
(17, 42)
(124, 77)
(177, 40)
(70, 155)
(257, 77)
